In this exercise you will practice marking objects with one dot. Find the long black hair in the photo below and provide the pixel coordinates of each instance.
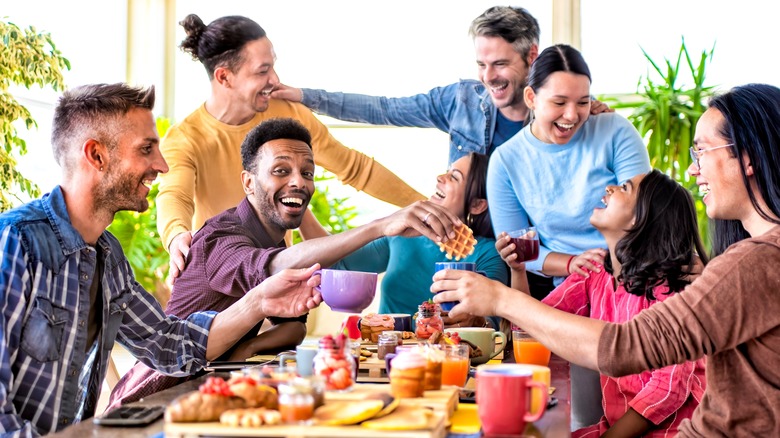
(661, 246)
(751, 123)
(476, 188)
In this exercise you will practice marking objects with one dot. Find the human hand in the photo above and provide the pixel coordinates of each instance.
(462, 320)
(422, 218)
(478, 295)
(286, 92)
(506, 249)
(598, 107)
(587, 261)
(288, 293)
(178, 249)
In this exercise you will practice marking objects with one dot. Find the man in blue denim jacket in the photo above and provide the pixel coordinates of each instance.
(479, 115)
(67, 293)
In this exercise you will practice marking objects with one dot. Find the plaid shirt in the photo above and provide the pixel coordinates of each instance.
(49, 378)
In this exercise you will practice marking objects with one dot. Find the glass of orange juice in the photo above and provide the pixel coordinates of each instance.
(528, 350)
(455, 368)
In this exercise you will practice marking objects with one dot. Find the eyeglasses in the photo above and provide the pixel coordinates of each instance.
(697, 153)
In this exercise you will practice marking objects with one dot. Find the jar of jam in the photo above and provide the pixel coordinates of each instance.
(296, 402)
(428, 320)
(334, 362)
(387, 343)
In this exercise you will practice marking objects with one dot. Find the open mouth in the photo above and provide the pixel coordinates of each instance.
(292, 202)
(148, 182)
(439, 194)
(267, 92)
(564, 127)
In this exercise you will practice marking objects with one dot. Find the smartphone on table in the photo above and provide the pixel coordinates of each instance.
(131, 416)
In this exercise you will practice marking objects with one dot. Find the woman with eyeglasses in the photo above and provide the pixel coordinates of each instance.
(729, 315)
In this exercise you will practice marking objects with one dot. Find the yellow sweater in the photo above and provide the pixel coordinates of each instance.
(204, 157)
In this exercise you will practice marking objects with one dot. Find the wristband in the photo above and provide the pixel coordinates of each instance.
(569, 264)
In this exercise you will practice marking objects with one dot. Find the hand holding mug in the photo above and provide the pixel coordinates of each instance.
(478, 295)
(288, 293)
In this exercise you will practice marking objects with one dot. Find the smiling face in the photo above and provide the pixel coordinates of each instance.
(619, 210)
(252, 83)
(451, 187)
(281, 185)
(505, 74)
(561, 106)
(719, 178)
(132, 164)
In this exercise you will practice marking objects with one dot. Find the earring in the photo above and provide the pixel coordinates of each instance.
(101, 168)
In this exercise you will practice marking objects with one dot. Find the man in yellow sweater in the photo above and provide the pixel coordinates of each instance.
(203, 151)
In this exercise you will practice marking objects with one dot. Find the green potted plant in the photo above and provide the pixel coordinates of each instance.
(27, 57)
(665, 113)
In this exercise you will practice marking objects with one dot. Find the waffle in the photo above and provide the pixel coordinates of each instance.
(461, 246)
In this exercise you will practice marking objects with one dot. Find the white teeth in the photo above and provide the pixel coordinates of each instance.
(604, 201)
(499, 88)
(267, 91)
(297, 201)
(440, 194)
(565, 125)
(704, 189)
(147, 182)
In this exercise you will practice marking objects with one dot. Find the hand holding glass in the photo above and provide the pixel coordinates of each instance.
(526, 242)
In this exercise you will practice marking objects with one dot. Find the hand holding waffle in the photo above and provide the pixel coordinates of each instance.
(422, 218)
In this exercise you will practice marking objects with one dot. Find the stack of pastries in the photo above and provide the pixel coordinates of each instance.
(407, 374)
(372, 324)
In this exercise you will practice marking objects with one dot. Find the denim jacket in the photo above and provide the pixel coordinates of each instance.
(464, 110)
(49, 377)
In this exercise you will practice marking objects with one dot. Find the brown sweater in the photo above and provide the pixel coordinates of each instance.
(731, 314)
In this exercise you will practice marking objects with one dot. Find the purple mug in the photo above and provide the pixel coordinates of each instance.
(347, 291)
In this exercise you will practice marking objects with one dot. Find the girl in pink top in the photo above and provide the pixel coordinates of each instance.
(649, 224)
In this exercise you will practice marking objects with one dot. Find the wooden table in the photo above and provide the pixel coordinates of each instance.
(554, 423)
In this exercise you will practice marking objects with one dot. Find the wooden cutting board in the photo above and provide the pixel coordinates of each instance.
(437, 429)
(443, 402)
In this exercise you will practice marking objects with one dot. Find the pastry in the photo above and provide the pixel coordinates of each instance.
(461, 246)
(372, 324)
(407, 375)
(196, 406)
(216, 396)
(251, 417)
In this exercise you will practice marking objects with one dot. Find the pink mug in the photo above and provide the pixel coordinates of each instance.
(504, 398)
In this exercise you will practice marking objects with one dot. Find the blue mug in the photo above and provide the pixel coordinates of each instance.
(461, 266)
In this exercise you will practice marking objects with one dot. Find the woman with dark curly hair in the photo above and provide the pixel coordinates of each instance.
(649, 224)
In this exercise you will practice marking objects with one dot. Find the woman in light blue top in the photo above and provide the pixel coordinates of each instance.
(408, 262)
(550, 173)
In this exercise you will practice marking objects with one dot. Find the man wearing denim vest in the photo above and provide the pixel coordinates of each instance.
(67, 292)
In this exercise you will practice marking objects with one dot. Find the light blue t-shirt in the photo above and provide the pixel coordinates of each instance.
(408, 264)
(556, 187)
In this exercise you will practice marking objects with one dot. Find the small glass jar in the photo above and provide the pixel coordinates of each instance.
(335, 364)
(388, 341)
(428, 320)
(296, 402)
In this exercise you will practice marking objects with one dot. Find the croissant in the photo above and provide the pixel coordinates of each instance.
(196, 407)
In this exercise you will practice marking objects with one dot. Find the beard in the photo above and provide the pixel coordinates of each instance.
(269, 213)
(119, 192)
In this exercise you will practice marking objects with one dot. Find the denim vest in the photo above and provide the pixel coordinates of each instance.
(464, 110)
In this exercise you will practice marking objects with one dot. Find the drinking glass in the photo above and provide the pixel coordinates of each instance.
(528, 350)
(455, 368)
(526, 242)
